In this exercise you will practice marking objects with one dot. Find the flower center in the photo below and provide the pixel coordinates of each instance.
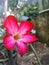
(17, 36)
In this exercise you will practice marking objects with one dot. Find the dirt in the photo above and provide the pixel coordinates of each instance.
(30, 59)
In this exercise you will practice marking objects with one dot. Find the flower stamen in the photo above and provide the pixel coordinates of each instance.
(17, 36)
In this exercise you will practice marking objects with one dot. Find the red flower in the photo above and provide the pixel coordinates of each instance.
(18, 34)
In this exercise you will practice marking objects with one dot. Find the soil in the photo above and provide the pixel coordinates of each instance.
(30, 59)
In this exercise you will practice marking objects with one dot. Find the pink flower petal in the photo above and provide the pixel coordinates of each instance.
(11, 24)
(9, 42)
(29, 38)
(22, 48)
(25, 27)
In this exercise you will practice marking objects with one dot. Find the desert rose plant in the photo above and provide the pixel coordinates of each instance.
(18, 34)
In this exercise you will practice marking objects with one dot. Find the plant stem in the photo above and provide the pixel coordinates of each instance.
(36, 55)
(11, 61)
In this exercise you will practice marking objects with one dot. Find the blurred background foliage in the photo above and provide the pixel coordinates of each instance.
(13, 4)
